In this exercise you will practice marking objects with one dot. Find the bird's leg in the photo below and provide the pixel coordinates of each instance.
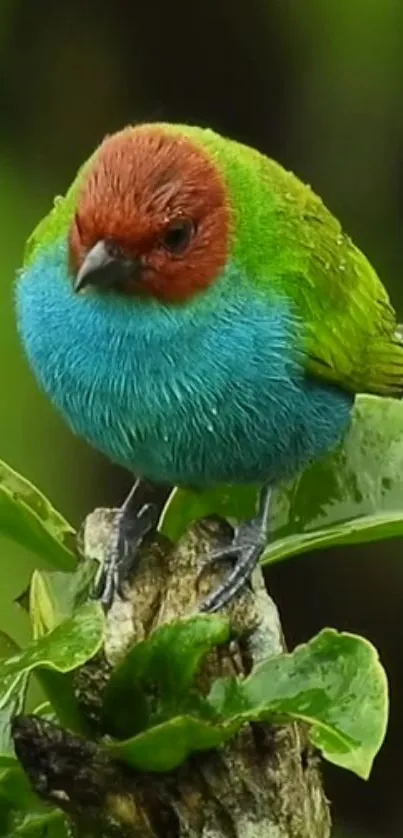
(136, 518)
(246, 549)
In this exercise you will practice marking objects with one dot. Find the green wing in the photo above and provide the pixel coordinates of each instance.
(352, 336)
(290, 244)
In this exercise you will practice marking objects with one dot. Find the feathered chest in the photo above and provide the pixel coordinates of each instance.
(208, 392)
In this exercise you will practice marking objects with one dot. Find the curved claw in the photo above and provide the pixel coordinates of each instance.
(246, 561)
(247, 547)
(129, 533)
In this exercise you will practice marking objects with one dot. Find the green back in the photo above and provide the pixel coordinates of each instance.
(289, 244)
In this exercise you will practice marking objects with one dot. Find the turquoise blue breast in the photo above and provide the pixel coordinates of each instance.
(208, 392)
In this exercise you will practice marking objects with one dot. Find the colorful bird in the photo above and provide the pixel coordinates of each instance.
(199, 316)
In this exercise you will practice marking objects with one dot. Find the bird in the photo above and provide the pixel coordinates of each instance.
(198, 315)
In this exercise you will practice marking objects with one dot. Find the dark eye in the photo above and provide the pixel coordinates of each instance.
(178, 236)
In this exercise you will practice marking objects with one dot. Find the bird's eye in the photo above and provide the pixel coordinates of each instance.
(178, 236)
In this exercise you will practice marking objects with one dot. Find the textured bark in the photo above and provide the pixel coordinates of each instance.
(265, 783)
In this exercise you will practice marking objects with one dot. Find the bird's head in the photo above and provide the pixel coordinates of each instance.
(152, 217)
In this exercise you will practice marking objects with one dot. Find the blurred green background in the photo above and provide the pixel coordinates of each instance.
(317, 84)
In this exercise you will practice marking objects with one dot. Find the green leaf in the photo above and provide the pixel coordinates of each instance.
(8, 646)
(11, 703)
(335, 683)
(49, 824)
(154, 680)
(352, 496)
(16, 789)
(28, 518)
(53, 598)
(364, 530)
(59, 688)
(165, 746)
(54, 595)
(23, 813)
(64, 649)
(185, 506)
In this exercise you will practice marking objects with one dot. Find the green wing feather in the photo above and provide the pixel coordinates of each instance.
(289, 244)
(351, 333)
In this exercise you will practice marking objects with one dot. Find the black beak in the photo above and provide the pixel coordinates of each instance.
(106, 266)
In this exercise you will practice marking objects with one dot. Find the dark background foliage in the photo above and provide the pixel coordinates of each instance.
(317, 85)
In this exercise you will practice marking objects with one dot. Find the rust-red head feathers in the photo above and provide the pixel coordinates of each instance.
(156, 198)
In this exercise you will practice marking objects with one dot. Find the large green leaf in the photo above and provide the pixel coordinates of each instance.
(335, 683)
(157, 675)
(354, 495)
(28, 518)
(64, 649)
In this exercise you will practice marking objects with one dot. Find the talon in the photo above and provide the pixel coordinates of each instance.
(217, 556)
(131, 528)
(247, 547)
(246, 561)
